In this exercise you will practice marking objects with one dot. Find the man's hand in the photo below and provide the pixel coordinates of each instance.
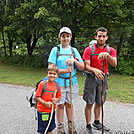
(100, 75)
(103, 56)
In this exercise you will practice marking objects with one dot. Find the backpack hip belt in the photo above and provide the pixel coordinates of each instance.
(65, 78)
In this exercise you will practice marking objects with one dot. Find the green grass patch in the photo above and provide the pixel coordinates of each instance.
(121, 87)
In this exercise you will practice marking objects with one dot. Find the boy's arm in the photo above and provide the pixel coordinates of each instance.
(47, 104)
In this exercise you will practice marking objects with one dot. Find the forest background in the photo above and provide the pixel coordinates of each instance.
(29, 29)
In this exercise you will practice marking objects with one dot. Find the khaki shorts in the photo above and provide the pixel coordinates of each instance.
(66, 94)
(93, 88)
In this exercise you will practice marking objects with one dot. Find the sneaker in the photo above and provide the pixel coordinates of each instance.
(89, 130)
(60, 129)
(99, 127)
(75, 132)
(70, 128)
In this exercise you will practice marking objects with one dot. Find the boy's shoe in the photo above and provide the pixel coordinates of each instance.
(60, 129)
(70, 128)
(99, 127)
(75, 132)
(89, 130)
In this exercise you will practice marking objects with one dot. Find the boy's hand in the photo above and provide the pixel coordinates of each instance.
(48, 104)
(70, 61)
(70, 69)
(54, 100)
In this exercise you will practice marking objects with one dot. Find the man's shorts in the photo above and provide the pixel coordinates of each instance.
(42, 125)
(66, 94)
(93, 88)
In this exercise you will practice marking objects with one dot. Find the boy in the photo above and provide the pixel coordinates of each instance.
(47, 100)
(67, 63)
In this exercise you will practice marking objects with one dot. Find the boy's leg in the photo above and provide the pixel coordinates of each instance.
(60, 112)
(70, 109)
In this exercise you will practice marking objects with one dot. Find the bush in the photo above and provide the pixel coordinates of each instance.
(125, 66)
(38, 61)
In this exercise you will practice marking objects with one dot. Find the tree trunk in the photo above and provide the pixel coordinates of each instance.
(4, 43)
(11, 47)
(31, 46)
(119, 45)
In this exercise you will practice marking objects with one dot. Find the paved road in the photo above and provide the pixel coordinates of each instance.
(17, 118)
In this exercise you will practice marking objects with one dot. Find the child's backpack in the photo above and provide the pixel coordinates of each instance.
(31, 95)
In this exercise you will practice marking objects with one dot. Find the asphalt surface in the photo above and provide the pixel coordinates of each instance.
(17, 118)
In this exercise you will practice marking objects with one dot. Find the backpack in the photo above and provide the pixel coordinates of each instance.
(58, 52)
(93, 50)
(31, 96)
(92, 47)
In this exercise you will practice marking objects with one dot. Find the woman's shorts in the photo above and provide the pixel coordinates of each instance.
(66, 94)
(42, 125)
(93, 88)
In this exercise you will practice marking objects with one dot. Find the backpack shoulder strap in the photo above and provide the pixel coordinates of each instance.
(58, 50)
(56, 86)
(92, 50)
(45, 86)
(108, 49)
(73, 53)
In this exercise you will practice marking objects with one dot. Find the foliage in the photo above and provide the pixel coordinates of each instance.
(125, 66)
(35, 24)
(25, 60)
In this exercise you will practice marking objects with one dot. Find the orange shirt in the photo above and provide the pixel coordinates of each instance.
(47, 96)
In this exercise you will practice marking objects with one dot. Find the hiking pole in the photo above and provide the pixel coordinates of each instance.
(71, 102)
(51, 114)
(102, 98)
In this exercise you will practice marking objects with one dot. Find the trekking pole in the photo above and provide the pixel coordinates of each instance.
(102, 98)
(51, 114)
(71, 102)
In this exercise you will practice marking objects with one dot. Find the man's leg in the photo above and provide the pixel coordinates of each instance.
(97, 124)
(97, 110)
(88, 110)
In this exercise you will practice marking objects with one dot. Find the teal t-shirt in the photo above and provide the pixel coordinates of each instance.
(60, 62)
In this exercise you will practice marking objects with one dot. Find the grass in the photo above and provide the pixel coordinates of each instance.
(121, 87)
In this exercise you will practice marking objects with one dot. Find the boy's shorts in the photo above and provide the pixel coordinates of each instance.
(42, 125)
(66, 94)
(93, 88)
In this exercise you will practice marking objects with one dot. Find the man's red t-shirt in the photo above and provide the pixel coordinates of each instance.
(47, 96)
(95, 62)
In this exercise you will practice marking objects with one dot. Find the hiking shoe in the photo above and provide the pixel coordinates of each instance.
(89, 130)
(60, 129)
(70, 128)
(75, 132)
(99, 127)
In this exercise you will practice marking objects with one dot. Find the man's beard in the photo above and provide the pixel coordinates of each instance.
(100, 44)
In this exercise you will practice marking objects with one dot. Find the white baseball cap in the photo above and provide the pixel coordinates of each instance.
(65, 30)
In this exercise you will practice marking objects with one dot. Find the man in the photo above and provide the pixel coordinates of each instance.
(95, 75)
